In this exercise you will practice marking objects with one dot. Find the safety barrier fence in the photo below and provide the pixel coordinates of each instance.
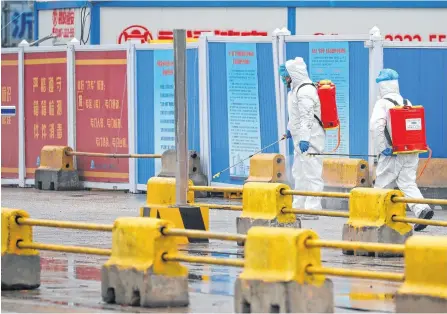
(328, 213)
(118, 99)
(373, 213)
(152, 247)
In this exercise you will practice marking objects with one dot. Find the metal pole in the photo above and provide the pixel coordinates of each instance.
(375, 65)
(181, 127)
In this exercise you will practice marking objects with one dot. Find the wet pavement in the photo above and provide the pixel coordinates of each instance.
(71, 282)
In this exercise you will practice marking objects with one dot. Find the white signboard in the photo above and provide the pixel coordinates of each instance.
(66, 24)
(121, 24)
(395, 24)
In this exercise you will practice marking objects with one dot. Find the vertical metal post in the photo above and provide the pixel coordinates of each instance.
(132, 127)
(375, 65)
(21, 113)
(71, 94)
(181, 127)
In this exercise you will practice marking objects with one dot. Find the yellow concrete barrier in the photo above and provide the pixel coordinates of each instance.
(262, 206)
(342, 175)
(433, 182)
(275, 280)
(56, 170)
(269, 168)
(345, 173)
(371, 214)
(425, 287)
(20, 267)
(136, 274)
(434, 176)
(161, 203)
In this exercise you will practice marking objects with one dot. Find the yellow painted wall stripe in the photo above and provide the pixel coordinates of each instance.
(9, 62)
(101, 62)
(30, 170)
(10, 170)
(97, 174)
(45, 61)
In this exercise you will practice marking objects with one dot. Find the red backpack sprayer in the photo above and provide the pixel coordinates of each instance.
(407, 123)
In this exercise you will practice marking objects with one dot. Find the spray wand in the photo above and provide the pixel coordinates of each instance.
(217, 175)
(345, 155)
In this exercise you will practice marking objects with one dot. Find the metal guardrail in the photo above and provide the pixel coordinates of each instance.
(395, 199)
(323, 212)
(431, 201)
(202, 260)
(363, 274)
(315, 194)
(362, 246)
(315, 212)
(420, 221)
(63, 224)
(73, 153)
(357, 246)
(63, 248)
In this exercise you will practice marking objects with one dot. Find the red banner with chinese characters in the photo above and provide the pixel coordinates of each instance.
(10, 124)
(101, 114)
(64, 23)
(45, 104)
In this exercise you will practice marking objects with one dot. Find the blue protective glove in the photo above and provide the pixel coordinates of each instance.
(304, 146)
(288, 134)
(387, 152)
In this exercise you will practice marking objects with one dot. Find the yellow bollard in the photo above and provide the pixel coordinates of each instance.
(425, 287)
(20, 267)
(262, 206)
(371, 214)
(161, 203)
(342, 175)
(136, 273)
(275, 280)
(56, 170)
(268, 168)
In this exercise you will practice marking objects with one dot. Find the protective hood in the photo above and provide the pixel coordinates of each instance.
(389, 87)
(298, 71)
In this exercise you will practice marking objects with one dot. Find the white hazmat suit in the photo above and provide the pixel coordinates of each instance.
(303, 106)
(399, 169)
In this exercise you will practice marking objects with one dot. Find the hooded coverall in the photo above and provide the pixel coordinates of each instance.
(303, 106)
(397, 169)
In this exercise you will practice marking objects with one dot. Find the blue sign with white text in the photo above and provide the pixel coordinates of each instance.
(164, 124)
(244, 127)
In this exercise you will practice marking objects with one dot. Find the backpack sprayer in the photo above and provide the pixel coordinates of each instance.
(408, 123)
(408, 132)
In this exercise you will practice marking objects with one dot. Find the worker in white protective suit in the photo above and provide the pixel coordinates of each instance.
(306, 130)
(394, 169)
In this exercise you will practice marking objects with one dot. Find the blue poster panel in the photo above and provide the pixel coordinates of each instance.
(164, 124)
(330, 60)
(244, 128)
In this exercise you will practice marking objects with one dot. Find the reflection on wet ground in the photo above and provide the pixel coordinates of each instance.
(71, 283)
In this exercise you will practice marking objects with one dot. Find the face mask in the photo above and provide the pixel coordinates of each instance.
(286, 80)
